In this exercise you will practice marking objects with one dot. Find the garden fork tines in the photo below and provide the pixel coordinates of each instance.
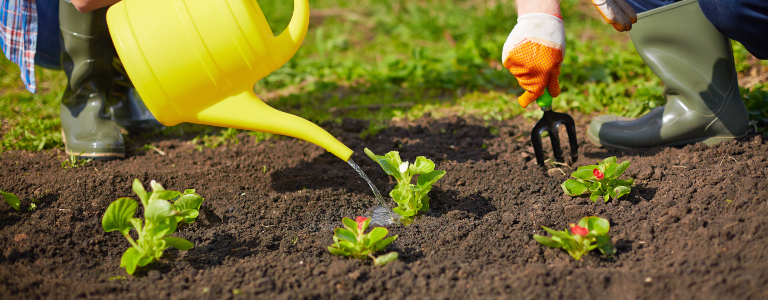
(549, 123)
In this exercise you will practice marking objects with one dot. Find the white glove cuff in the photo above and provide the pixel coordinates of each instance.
(541, 28)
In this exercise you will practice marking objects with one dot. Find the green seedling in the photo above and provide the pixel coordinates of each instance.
(74, 161)
(410, 198)
(600, 180)
(12, 200)
(163, 210)
(590, 233)
(351, 241)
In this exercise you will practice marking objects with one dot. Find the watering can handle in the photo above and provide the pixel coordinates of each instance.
(545, 100)
(289, 41)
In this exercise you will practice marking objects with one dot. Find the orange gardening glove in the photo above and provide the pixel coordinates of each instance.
(617, 13)
(533, 52)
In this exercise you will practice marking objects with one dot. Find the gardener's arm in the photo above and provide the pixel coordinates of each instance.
(534, 49)
(89, 5)
(551, 7)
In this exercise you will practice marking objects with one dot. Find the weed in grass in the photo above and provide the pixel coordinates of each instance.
(372, 54)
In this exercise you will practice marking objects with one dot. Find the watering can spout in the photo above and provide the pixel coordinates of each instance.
(254, 114)
(290, 40)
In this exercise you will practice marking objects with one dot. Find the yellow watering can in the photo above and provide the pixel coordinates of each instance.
(196, 61)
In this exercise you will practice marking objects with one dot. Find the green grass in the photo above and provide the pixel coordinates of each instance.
(384, 59)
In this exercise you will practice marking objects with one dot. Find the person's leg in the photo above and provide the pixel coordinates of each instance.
(48, 52)
(745, 21)
(87, 54)
(696, 64)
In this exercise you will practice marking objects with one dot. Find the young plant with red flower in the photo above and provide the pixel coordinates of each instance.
(600, 180)
(352, 241)
(590, 233)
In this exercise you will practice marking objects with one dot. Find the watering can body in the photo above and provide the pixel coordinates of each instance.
(196, 61)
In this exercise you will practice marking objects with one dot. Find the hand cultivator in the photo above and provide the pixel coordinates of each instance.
(549, 123)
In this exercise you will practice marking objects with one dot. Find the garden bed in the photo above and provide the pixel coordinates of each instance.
(694, 226)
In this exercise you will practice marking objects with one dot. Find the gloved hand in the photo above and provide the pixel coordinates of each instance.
(617, 12)
(533, 52)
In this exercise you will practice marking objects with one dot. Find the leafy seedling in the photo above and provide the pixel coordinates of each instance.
(74, 161)
(351, 241)
(410, 198)
(163, 210)
(600, 180)
(12, 200)
(590, 233)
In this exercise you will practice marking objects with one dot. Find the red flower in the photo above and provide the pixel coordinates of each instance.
(578, 230)
(598, 174)
(360, 220)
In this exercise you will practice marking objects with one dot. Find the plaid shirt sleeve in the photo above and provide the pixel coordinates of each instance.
(18, 36)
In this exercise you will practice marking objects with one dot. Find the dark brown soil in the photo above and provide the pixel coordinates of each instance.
(694, 227)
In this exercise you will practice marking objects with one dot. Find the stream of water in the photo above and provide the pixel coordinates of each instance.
(379, 217)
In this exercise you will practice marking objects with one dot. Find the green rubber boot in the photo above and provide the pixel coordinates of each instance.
(87, 53)
(695, 62)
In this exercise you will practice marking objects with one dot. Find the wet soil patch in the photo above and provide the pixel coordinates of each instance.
(694, 226)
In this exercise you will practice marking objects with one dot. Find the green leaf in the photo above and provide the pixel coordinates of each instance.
(609, 160)
(12, 200)
(161, 219)
(422, 166)
(350, 225)
(404, 212)
(595, 186)
(139, 190)
(380, 245)
(598, 225)
(337, 251)
(130, 259)
(390, 167)
(118, 215)
(589, 167)
(424, 201)
(604, 244)
(145, 260)
(611, 194)
(621, 168)
(559, 234)
(188, 205)
(574, 187)
(430, 178)
(401, 195)
(595, 194)
(547, 241)
(178, 243)
(164, 195)
(187, 215)
(628, 182)
(365, 225)
(188, 201)
(385, 259)
(609, 170)
(377, 234)
(136, 222)
(159, 209)
(621, 191)
(345, 235)
(584, 174)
